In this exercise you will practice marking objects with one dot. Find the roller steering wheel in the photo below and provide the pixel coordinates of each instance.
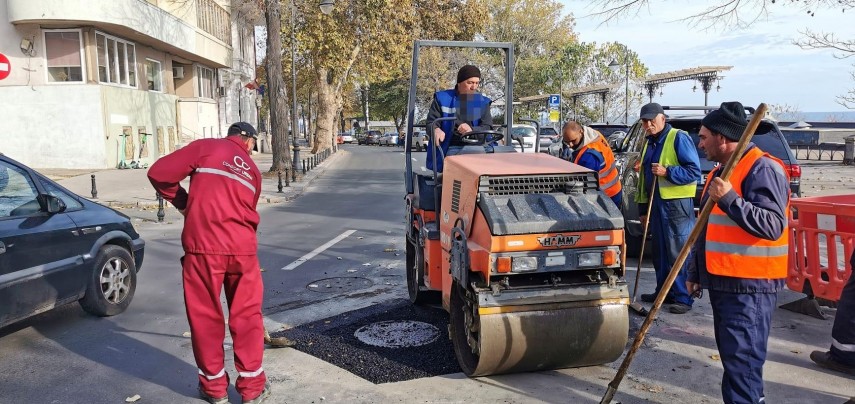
(480, 136)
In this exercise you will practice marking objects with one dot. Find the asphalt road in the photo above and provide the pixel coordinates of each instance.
(348, 228)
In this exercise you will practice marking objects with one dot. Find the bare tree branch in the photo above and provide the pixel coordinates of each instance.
(824, 40)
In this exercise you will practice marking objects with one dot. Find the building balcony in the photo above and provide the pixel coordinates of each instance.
(175, 30)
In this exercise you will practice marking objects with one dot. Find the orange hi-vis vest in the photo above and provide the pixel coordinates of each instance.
(609, 179)
(730, 250)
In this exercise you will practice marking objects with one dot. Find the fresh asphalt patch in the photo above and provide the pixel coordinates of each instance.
(393, 328)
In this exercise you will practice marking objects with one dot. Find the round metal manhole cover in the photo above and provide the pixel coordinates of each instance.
(397, 334)
(339, 285)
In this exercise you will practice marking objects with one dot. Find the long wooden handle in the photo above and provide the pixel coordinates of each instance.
(675, 269)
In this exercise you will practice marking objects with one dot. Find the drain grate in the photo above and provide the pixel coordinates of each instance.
(397, 334)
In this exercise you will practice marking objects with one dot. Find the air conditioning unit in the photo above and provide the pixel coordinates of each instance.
(178, 72)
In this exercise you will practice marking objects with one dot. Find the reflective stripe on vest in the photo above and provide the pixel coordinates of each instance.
(668, 158)
(730, 250)
(609, 179)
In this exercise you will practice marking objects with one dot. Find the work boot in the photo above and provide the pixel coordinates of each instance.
(261, 397)
(824, 359)
(213, 400)
(679, 308)
(650, 297)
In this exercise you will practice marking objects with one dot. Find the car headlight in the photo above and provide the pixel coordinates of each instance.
(523, 264)
(590, 259)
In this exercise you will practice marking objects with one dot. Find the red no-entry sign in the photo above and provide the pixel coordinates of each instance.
(5, 66)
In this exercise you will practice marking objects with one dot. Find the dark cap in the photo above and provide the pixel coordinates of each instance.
(649, 111)
(729, 120)
(243, 129)
(468, 72)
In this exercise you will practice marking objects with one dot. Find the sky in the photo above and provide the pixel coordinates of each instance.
(767, 66)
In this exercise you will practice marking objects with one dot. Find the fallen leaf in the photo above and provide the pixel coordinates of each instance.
(186, 334)
(715, 357)
(390, 249)
(132, 399)
(263, 270)
(338, 258)
(796, 352)
(360, 238)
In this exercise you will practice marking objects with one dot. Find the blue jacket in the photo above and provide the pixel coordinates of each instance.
(762, 212)
(688, 171)
(475, 112)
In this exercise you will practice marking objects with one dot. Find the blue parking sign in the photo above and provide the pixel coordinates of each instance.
(554, 101)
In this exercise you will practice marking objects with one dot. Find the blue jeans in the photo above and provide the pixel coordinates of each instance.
(671, 221)
(742, 322)
(843, 330)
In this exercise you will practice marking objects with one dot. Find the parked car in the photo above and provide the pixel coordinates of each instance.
(346, 138)
(768, 137)
(339, 139)
(548, 136)
(420, 141)
(57, 247)
(527, 134)
(608, 129)
(372, 137)
(388, 139)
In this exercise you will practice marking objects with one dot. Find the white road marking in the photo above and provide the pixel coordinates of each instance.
(317, 251)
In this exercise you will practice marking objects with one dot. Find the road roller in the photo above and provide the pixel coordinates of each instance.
(523, 250)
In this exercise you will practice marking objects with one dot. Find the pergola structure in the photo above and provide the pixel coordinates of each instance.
(706, 75)
(574, 95)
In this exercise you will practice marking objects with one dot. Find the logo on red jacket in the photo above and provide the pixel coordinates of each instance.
(239, 167)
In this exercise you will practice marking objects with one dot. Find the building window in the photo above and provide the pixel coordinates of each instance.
(153, 74)
(205, 81)
(64, 53)
(117, 60)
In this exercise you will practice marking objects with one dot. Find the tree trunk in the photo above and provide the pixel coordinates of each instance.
(327, 107)
(276, 91)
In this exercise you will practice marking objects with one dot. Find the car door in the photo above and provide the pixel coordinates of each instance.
(38, 250)
(626, 160)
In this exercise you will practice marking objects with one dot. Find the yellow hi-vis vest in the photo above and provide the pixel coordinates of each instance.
(668, 158)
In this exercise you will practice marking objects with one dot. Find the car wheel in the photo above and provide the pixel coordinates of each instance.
(111, 284)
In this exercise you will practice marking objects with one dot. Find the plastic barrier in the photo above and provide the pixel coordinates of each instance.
(822, 241)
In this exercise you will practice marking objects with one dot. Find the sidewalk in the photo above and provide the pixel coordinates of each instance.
(130, 191)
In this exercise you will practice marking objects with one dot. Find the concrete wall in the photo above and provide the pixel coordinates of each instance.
(198, 119)
(133, 111)
(53, 126)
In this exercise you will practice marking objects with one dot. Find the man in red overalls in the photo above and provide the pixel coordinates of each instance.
(220, 248)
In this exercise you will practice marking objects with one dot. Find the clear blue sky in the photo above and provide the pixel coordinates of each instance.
(767, 66)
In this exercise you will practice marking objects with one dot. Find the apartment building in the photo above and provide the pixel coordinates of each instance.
(118, 83)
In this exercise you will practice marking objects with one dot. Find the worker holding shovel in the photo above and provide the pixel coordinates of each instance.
(741, 254)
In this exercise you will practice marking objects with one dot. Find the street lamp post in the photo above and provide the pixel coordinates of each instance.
(326, 7)
(614, 66)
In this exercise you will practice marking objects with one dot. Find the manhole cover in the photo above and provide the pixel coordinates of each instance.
(397, 334)
(338, 285)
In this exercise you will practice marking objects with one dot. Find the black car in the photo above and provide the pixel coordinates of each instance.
(57, 247)
(628, 153)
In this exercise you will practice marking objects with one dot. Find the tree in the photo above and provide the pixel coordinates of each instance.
(276, 88)
(359, 39)
(843, 49)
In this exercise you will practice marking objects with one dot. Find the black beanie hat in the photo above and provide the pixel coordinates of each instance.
(467, 72)
(729, 120)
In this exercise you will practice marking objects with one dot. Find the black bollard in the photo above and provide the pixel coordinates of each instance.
(279, 174)
(287, 181)
(94, 190)
(160, 213)
(304, 166)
